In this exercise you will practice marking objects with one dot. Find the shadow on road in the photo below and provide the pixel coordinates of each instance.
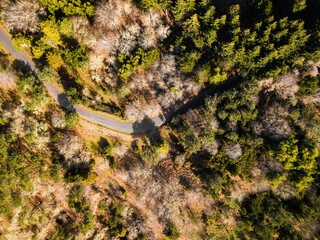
(145, 126)
(65, 102)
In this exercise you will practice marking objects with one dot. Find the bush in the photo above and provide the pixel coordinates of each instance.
(19, 40)
(171, 232)
(276, 178)
(30, 137)
(308, 85)
(112, 164)
(72, 118)
(46, 75)
(162, 147)
(149, 154)
(106, 151)
(16, 199)
(140, 59)
(54, 173)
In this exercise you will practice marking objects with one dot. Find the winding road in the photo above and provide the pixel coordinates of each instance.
(118, 125)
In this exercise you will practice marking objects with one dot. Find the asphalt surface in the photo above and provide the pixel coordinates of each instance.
(118, 125)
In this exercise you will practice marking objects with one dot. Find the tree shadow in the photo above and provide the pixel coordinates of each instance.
(4, 60)
(67, 80)
(19, 67)
(103, 143)
(65, 102)
(148, 126)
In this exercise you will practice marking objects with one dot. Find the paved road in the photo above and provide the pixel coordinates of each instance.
(103, 120)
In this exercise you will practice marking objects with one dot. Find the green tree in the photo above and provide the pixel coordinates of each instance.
(39, 49)
(299, 158)
(70, 7)
(46, 75)
(19, 40)
(299, 5)
(51, 32)
(65, 27)
(183, 9)
(76, 57)
(54, 59)
(192, 25)
(188, 61)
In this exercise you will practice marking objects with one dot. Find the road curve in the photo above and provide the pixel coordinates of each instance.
(118, 125)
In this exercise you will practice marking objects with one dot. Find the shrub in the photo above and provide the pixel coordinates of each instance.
(276, 178)
(106, 151)
(46, 75)
(30, 137)
(16, 199)
(72, 119)
(149, 154)
(19, 40)
(54, 173)
(112, 163)
(308, 85)
(162, 147)
(140, 59)
(171, 232)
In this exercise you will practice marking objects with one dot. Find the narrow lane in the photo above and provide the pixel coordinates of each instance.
(106, 121)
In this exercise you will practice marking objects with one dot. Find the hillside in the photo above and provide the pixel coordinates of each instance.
(239, 160)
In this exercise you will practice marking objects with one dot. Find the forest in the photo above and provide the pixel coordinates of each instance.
(241, 164)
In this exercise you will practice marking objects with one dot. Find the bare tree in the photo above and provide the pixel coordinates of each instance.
(69, 145)
(151, 18)
(214, 124)
(138, 81)
(134, 114)
(95, 61)
(312, 99)
(42, 135)
(121, 150)
(180, 160)
(312, 69)
(163, 31)
(286, 86)
(191, 87)
(72, 148)
(272, 124)
(147, 40)
(128, 39)
(233, 150)
(24, 16)
(168, 65)
(165, 100)
(108, 44)
(58, 121)
(211, 146)
(152, 109)
(7, 80)
(82, 30)
(17, 125)
(108, 15)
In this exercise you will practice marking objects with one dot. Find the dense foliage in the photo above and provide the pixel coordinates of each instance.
(241, 162)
